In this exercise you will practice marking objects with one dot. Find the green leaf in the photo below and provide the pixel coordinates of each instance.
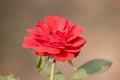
(41, 63)
(71, 63)
(91, 68)
(10, 77)
(59, 76)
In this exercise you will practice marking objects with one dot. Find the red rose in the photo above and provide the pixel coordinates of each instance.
(57, 38)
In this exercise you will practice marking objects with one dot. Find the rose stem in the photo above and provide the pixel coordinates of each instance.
(52, 70)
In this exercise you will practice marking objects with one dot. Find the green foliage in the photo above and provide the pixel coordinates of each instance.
(41, 63)
(10, 77)
(91, 68)
(59, 76)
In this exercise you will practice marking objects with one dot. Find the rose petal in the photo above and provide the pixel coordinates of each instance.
(60, 24)
(75, 31)
(71, 37)
(29, 42)
(78, 41)
(50, 20)
(67, 27)
(49, 50)
(63, 56)
(42, 28)
(39, 24)
(72, 49)
(56, 23)
(76, 54)
(33, 32)
(42, 54)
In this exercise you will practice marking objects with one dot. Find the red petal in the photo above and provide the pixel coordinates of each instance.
(42, 54)
(75, 31)
(33, 31)
(78, 41)
(39, 24)
(68, 26)
(60, 24)
(72, 49)
(29, 42)
(55, 23)
(50, 20)
(42, 28)
(63, 56)
(49, 50)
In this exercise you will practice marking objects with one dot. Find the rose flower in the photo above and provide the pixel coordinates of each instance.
(57, 38)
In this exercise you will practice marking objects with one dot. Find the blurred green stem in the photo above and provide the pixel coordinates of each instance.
(52, 70)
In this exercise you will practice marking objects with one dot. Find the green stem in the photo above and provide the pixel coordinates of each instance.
(52, 70)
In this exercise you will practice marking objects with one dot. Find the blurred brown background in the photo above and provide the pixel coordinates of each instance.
(100, 18)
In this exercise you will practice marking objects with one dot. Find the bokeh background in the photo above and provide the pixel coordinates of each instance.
(101, 21)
